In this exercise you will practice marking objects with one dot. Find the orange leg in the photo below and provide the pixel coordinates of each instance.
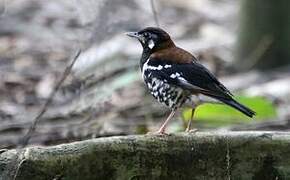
(188, 128)
(163, 127)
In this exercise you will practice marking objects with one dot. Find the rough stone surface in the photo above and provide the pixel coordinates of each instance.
(203, 155)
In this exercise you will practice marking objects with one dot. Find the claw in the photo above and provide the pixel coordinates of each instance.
(160, 133)
(191, 130)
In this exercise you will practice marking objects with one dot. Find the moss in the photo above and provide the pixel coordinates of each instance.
(198, 156)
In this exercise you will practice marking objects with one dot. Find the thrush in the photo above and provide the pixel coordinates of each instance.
(176, 78)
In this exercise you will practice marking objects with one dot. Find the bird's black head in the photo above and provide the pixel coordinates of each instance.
(152, 39)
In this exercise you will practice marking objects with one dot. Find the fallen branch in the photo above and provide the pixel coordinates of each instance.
(204, 155)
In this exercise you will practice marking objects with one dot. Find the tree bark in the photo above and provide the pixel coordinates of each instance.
(264, 39)
(203, 155)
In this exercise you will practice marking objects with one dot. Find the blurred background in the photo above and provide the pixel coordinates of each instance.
(245, 43)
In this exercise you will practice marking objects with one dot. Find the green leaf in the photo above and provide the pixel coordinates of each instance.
(218, 114)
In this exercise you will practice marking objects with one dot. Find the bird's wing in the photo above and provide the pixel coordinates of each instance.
(190, 76)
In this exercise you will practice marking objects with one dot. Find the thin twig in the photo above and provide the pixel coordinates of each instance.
(66, 72)
(154, 11)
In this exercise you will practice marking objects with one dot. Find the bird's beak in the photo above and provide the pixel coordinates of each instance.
(133, 34)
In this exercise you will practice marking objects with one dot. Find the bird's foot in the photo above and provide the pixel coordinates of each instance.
(159, 132)
(187, 130)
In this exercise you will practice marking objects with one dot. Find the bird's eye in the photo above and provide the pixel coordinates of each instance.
(146, 35)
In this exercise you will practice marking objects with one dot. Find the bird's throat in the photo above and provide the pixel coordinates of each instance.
(145, 55)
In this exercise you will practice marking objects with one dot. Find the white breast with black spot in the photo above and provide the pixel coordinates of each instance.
(164, 92)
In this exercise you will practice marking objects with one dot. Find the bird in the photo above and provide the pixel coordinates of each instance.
(176, 78)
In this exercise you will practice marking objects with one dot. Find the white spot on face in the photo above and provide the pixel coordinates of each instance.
(167, 66)
(151, 44)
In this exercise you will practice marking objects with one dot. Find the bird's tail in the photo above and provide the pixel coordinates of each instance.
(233, 103)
